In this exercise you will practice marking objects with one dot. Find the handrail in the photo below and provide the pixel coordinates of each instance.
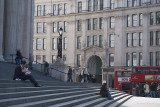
(58, 70)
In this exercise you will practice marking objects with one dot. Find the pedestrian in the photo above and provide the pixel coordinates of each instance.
(89, 77)
(85, 73)
(46, 68)
(80, 77)
(104, 92)
(70, 74)
(21, 73)
(30, 59)
(18, 57)
(146, 89)
(153, 88)
(158, 90)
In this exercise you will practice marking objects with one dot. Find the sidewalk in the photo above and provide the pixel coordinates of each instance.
(142, 102)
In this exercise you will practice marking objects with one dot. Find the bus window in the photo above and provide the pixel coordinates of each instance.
(135, 70)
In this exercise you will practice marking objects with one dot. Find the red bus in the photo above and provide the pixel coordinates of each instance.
(142, 74)
(122, 80)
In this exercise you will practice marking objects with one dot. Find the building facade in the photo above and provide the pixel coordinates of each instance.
(16, 28)
(98, 33)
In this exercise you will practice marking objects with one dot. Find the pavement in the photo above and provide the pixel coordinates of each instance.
(142, 102)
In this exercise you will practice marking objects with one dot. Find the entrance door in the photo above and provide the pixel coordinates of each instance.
(94, 67)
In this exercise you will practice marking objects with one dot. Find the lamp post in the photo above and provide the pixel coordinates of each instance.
(60, 43)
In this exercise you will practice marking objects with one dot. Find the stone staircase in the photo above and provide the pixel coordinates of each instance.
(53, 93)
(56, 94)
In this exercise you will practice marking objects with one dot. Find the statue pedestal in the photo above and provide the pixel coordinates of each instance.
(59, 70)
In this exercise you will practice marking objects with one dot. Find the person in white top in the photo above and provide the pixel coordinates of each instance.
(85, 73)
(146, 89)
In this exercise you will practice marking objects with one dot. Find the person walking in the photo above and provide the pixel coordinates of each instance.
(22, 73)
(146, 89)
(18, 57)
(70, 74)
(30, 59)
(46, 68)
(85, 73)
(153, 88)
(104, 92)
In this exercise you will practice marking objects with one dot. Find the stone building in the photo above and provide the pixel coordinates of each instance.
(98, 34)
(16, 28)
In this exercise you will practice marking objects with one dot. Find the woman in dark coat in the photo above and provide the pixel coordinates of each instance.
(104, 92)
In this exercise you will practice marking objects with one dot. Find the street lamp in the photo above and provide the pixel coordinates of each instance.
(60, 43)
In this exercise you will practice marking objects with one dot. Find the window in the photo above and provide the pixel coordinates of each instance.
(65, 26)
(57, 42)
(54, 27)
(101, 23)
(59, 9)
(127, 59)
(158, 17)
(88, 41)
(65, 43)
(89, 5)
(78, 60)
(111, 59)
(111, 4)
(54, 9)
(134, 39)
(59, 26)
(157, 37)
(39, 27)
(38, 44)
(140, 2)
(44, 10)
(78, 25)
(33, 44)
(101, 4)
(44, 44)
(140, 19)
(100, 41)
(89, 24)
(140, 59)
(158, 58)
(134, 20)
(151, 58)
(94, 24)
(44, 58)
(151, 18)
(65, 8)
(53, 58)
(53, 44)
(128, 39)
(134, 59)
(111, 41)
(79, 7)
(38, 58)
(128, 3)
(134, 3)
(39, 10)
(157, 1)
(78, 42)
(44, 27)
(95, 5)
(128, 21)
(112, 21)
(95, 40)
(140, 38)
(64, 58)
(151, 38)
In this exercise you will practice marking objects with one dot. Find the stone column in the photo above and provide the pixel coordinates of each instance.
(1, 29)
(10, 26)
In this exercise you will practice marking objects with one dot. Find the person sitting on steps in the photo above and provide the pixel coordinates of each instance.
(104, 92)
(21, 73)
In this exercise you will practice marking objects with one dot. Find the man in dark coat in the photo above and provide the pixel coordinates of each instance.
(23, 74)
(104, 92)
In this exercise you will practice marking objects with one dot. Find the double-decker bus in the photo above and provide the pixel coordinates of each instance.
(142, 74)
(122, 80)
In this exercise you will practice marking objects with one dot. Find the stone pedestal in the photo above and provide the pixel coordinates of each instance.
(59, 70)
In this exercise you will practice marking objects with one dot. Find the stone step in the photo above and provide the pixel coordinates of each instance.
(56, 100)
(21, 100)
